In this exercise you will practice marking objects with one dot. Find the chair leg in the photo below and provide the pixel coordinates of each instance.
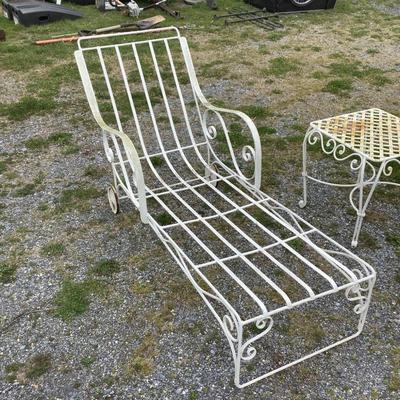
(303, 202)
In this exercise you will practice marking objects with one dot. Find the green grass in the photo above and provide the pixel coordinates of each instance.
(25, 190)
(94, 171)
(35, 367)
(38, 365)
(3, 167)
(7, 272)
(349, 70)
(266, 130)
(394, 380)
(106, 267)
(26, 107)
(87, 361)
(157, 161)
(164, 219)
(339, 86)
(77, 198)
(254, 111)
(40, 143)
(53, 249)
(281, 66)
(72, 299)
(394, 240)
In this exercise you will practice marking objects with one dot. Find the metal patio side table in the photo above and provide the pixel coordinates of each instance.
(370, 140)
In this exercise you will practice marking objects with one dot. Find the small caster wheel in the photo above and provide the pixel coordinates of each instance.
(211, 174)
(354, 243)
(302, 203)
(113, 199)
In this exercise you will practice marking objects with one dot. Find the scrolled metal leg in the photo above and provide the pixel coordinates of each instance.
(361, 293)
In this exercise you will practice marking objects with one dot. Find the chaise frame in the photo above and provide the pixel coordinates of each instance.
(130, 183)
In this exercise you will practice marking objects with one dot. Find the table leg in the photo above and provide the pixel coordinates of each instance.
(362, 205)
(303, 202)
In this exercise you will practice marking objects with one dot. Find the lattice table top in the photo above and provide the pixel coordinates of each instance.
(374, 133)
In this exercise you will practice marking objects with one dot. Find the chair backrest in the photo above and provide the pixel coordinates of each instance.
(147, 88)
(139, 87)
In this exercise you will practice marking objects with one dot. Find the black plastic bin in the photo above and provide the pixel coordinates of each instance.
(292, 5)
(34, 12)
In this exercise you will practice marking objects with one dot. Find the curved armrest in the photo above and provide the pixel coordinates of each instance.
(249, 153)
(134, 161)
(129, 148)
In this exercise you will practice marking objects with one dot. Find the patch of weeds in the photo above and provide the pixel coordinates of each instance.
(94, 171)
(348, 69)
(266, 130)
(319, 75)
(7, 272)
(394, 240)
(40, 143)
(193, 395)
(142, 360)
(43, 207)
(236, 136)
(254, 111)
(339, 86)
(77, 198)
(157, 161)
(140, 365)
(106, 267)
(281, 66)
(53, 249)
(11, 371)
(299, 128)
(296, 244)
(263, 49)
(280, 144)
(72, 299)
(36, 143)
(358, 33)
(87, 361)
(26, 107)
(142, 288)
(38, 365)
(25, 190)
(61, 138)
(275, 36)
(3, 167)
(71, 149)
(295, 138)
(372, 51)
(164, 219)
(394, 380)
(368, 241)
(317, 334)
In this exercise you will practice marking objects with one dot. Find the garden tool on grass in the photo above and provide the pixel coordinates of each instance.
(138, 25)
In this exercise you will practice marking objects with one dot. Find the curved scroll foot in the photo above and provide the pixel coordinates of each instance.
(302, 203)
(112, 196)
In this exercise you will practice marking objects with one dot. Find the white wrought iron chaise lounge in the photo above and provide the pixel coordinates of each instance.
(249, 257)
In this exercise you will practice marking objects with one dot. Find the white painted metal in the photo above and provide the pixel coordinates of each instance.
(370, 141)
(205, 221)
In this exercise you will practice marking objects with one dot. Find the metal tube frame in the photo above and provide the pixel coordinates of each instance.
(129, 180)
(359, 162)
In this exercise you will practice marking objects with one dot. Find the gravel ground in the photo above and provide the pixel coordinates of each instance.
(147, 309)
